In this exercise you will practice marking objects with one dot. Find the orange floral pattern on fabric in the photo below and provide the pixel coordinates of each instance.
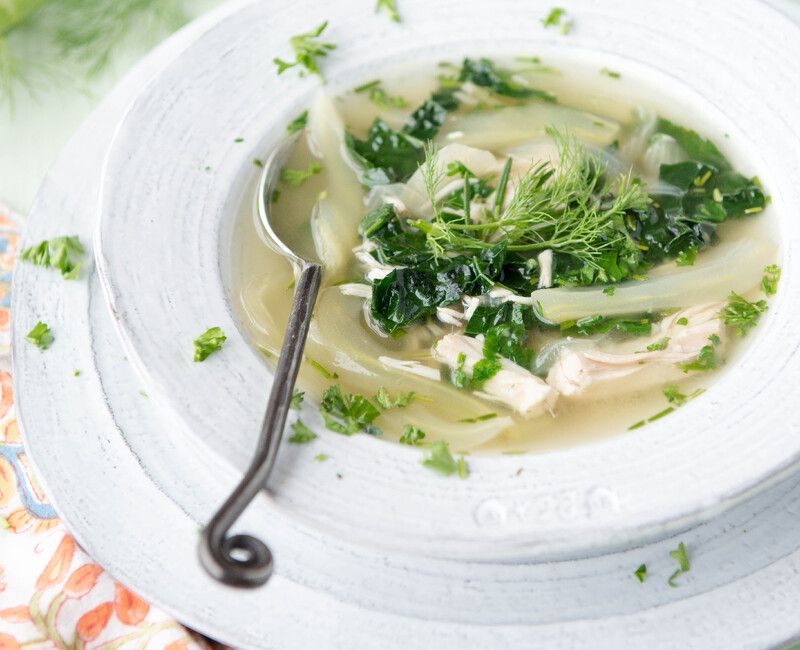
(51, 593)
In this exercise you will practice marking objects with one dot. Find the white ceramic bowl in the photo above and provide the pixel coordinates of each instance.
(164, 254)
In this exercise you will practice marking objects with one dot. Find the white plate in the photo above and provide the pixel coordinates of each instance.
(133, 487)
(165, 246)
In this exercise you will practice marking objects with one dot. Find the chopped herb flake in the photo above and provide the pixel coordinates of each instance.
(769, 283)
(659, 345)
(302, 434)
(348, 414)
(40, 336)
(296, 177)
(680, 555)
(298, 123)
(554, 17)
(321, 458)
(610, 73)
(297, 399)
(378, 96)
(463, 471)
(440, 459)
(208, 342)
(742, 314)
(384, 401)
(321, 369)
(610, 290)
(641, 573)
(391, 9)
(682, 321)
(307, 50)
(62, 253)
(412, 435)
(706, 358)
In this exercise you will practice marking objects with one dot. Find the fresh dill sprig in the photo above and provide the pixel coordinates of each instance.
(575, 209)
(307, 49)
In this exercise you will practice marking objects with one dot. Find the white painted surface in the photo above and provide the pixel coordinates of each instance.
(134, 482)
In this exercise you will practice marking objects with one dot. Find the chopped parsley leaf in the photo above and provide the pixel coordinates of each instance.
(458, 375)
(76, 373)
(208, 342)
(238, 140)
(302, 434)
(741, 313)
(62, 253)
(610, 290)
(40, 336)
(641, 573)
(463, 470)
(297, 399)
(440, 459)
(320, 458)
(659, 345)
(258, 163)
(296, 177)
(682, 321)
(484, 370)
(384, 400)
(306, 51)
(769, 283)
(378, 96)
(706, 358)
(298, 123)
(391, 8)
(553, 18)
(348, 414)
(610, 73)
(412, 435)
(680, 555)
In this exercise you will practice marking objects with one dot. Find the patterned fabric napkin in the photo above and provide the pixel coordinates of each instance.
(51, 593)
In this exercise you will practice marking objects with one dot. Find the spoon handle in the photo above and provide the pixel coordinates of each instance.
(242, 560)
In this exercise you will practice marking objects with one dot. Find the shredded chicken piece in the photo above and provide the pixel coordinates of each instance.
(575, 370)
(513, 385)
(356, 289)
(375, 270)
(450, 316)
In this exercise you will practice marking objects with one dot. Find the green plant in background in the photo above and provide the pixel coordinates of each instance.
(47, 41)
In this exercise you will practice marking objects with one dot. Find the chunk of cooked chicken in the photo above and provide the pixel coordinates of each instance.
(576, 370)
(513, 385)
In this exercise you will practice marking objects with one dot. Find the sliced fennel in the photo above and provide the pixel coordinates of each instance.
(334, 224)
(729, 266)
(504, 128)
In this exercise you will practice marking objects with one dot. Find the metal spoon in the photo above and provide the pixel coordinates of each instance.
(243, 560)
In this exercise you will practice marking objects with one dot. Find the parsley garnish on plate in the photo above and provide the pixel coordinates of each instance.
(557, 18)
(441, 460)
(321, 458)
(296, 177)
(680, 555)
(742, 314)
(302, 434)
(208, 342)
(769, 283)
(641, 573)
(391, 9)
(62, 253)
(307, 50)
(40, 336)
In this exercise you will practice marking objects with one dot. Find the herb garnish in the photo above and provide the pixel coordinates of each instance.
(320, 458)
(741, 313)
(306, 50)
(384, 401)
(442, 461)
(769, 283)
(298, 123)
(297, 399)
(610, 73)
(296, 177)
(62, 253)
(641, 573)
(680, 555)
(302, 434)
(706, 358)
(208, 342)
(391, 8)
(40, 336)
(412, 435)
(556, 18)
(675, 397)
(348, 414)
(659, 345)
(378, 96)
(321, 369)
